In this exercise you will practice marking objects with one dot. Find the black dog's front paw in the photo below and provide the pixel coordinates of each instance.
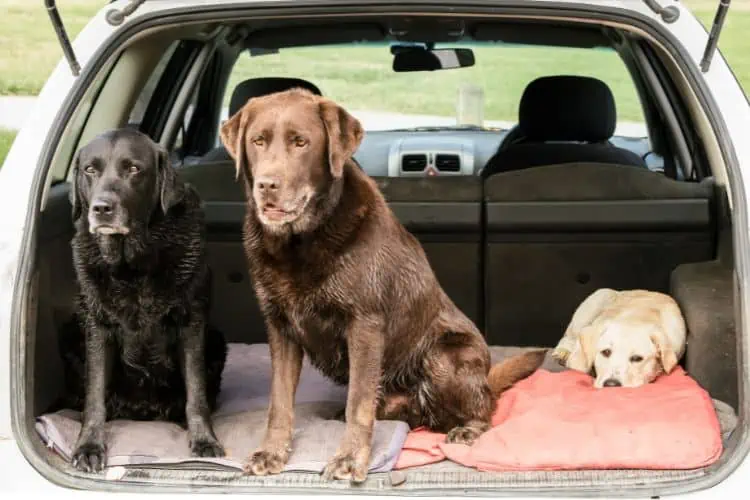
(206, 447)
(90, 457)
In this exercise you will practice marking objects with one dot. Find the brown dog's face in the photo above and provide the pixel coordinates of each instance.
(292, 145)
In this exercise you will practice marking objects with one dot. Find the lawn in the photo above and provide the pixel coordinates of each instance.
(6, 139)
(29, 46)
(362, 77)
(735, 39)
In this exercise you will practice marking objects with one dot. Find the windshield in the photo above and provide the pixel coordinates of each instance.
(361, 78)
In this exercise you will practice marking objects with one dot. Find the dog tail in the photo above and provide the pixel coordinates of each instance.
(503, 375)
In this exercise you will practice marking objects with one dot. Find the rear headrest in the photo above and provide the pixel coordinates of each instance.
(257, 87)
(567, 108)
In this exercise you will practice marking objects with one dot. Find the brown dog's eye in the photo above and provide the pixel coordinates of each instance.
(259, 141)
(636, 359)
(607, 353)
(300, 142)
(134, 169)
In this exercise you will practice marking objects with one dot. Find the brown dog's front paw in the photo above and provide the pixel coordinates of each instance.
(346, 467)
(206, 447)
(263, 462)
(463, 435)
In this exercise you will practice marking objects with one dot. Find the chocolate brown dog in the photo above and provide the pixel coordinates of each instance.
(339, 278)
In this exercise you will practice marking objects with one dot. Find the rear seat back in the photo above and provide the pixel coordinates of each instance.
(555, 234)
(234, 307)
(443, 213)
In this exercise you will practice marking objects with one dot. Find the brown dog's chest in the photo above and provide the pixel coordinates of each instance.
(317, 324)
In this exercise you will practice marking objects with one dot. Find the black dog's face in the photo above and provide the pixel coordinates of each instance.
(121, 177)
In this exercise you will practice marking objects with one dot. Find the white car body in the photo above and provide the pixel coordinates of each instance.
(18, 478)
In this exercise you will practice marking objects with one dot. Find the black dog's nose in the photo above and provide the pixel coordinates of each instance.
(612, 382)
(102, 207)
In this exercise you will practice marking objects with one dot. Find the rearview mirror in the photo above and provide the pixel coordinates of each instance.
(416, 58)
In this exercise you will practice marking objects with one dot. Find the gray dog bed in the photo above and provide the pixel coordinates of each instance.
(239, 423)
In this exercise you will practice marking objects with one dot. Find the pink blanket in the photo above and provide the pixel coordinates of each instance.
(558, 421)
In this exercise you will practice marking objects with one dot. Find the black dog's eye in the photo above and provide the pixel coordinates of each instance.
(89, 169)
(259, 141)
(636, 359)
(607, 353)
(300, 142)
(134, 169)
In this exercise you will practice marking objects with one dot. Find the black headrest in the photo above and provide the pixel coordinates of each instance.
(257, 87)
(567, 108)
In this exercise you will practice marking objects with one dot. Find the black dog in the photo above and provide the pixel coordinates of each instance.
(140, 339)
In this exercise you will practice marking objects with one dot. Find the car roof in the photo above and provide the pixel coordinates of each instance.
(594, 5)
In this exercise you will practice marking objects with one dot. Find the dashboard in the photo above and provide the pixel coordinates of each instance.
(446, 152)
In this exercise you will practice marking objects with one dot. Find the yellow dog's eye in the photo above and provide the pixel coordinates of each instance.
(636, 359)
(259, 141)
(300, 142)
(607, 353)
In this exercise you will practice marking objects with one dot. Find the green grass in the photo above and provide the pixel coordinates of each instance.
(734, 42)
(30, 49)
(6, 139)
(361, 78)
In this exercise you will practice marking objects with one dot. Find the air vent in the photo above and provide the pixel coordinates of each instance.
(448, 163)
(413, 163)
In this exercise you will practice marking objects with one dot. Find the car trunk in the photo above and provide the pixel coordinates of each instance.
(517, 253)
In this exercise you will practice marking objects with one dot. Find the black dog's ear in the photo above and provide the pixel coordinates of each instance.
(75, 194)
(171, 190)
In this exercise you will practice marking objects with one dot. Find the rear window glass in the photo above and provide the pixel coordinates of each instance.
(361, 78)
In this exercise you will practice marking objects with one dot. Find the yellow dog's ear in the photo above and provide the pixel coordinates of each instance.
(667, 356)
(582, 356)
(232, 135)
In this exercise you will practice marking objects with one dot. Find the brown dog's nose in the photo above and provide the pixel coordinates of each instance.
(612, 382)
(266, 184)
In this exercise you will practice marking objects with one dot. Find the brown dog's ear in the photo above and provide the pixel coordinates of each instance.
(344, 135)
(232, 135)
(667, 356)
(582, 356)
(171, 190)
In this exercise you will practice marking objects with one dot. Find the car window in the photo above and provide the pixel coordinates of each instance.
(141, 105)
(180, 139)
(361, 78)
